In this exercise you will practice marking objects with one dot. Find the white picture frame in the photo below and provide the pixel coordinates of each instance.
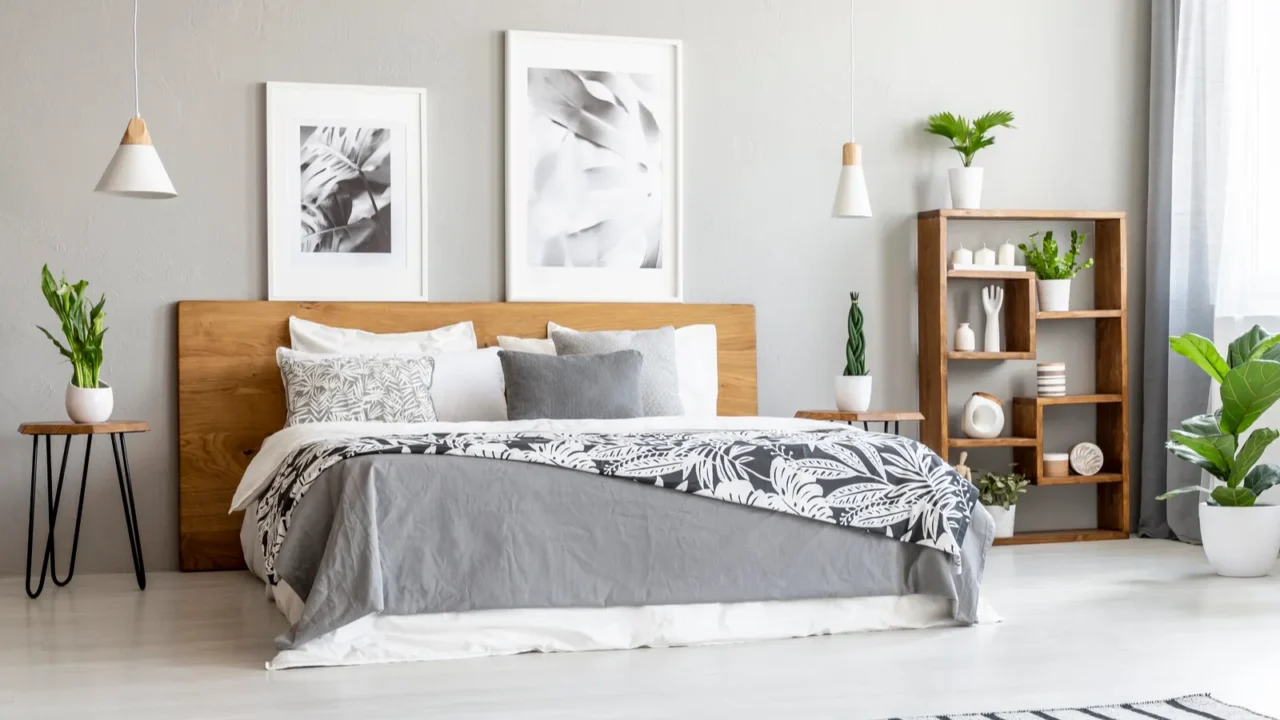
(573, 230)
(346, 192)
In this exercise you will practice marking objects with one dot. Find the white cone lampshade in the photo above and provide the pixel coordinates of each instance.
(851, 193)
(135, 170)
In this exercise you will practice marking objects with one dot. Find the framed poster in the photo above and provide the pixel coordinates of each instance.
(593, 168)
(346, 192)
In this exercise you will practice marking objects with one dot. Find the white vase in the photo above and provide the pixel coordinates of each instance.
(983, 416)
(853, 393)
(89, 405)
(965, 339)
(966, 187)
(1004, 519)
(1240, 541)
(1055, 295)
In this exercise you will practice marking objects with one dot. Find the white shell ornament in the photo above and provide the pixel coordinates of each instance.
(1086, 459)
(983, 416)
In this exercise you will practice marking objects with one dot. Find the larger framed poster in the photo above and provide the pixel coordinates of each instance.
(593, 168)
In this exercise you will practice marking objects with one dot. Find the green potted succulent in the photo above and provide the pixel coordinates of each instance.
(1054, 272)
(998, 493)
(853, 388)
(967, 138)
(1241, 536)
(88, 399)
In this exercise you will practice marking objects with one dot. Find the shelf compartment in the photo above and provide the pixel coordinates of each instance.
(1079, 314)
(991, 442)
(1098, 479)
(1047, 215)
(1059, 536)
(1094, 399)
(990, 275)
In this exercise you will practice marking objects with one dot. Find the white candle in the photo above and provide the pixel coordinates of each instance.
(985, 256)
(1007, 254)
(963, 256)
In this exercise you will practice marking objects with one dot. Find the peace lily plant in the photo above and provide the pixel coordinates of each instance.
(88, 399)
(1241, 537)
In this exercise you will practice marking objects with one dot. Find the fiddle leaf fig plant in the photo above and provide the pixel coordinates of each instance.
(1249, 378)
(1002, 490)
(968, 136)
(1043, 259)
(82, 327)
(855, 350)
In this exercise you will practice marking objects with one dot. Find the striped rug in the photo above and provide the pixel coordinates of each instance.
(1192, 707)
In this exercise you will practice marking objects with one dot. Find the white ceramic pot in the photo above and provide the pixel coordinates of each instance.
(89, 405)
(853, 393)
(1240, 541)
(965, 339)
(966, 187)
(1055, 295)
(983, 416)
(1003, 518)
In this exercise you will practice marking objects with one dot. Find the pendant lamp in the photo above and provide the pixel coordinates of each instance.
(851, 192)
(135, 170)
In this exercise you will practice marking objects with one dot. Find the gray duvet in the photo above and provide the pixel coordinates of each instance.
(412, 534)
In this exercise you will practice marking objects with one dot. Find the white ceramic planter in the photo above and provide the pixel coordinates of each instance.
(1055, 295)
(1004, 519)
(89, 405)
(853, 393)
(965, 339)
(966, 187)
(1240, 541)
(983, 416)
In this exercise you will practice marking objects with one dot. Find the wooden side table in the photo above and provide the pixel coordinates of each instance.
(866, 418)
(117, 430)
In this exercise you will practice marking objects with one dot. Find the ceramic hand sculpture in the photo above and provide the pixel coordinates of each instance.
(992, 301)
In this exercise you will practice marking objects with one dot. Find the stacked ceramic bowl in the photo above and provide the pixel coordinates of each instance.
(1051, 379)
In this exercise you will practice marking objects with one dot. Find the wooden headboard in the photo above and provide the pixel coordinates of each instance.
(230, 397)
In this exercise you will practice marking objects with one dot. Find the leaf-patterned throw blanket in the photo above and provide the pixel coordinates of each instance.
(883, 484)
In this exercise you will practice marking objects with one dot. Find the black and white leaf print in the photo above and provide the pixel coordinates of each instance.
(882, 484)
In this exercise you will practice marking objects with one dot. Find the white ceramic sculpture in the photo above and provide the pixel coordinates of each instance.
(965, 339)
(983, 416)
(992, 301)
(1086, 458)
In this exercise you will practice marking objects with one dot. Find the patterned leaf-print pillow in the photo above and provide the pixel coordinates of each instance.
(356, 388)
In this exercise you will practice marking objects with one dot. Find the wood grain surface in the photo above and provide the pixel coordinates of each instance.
(62, 427)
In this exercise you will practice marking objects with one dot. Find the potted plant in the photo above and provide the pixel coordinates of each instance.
(853, 388)
(967, 138)
(1054, 273)
(88, 398)
(998, 493)
(1241, 537)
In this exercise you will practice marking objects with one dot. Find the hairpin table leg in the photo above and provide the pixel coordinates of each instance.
(75, 538)
(125, 480)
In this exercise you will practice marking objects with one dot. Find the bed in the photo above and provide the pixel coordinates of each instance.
(429, 547)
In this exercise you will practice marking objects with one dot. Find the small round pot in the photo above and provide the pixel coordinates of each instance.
(966, 187)
(853, 393)
(983, 416)
(1004, 519)
(89, 405)
(1240, 541)
(1055, 295)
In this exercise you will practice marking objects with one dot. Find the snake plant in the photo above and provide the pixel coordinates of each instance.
(855, 350)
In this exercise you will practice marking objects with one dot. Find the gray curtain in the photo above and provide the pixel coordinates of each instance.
(1180, 204)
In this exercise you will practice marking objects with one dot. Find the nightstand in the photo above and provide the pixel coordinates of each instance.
(866, 418)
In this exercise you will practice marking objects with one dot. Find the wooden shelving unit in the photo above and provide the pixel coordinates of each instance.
(1110, 396)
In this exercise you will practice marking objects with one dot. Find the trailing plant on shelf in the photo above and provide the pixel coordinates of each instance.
(1249, 378)
(855, 349)
(1045, 261)
(968, 136)
(1001, 489)
(82, 327)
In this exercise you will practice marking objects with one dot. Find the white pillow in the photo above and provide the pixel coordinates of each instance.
(468, 386)
(538, 346)
(312, 337)
(697, 367)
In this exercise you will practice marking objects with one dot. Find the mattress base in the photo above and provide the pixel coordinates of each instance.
(483, 633)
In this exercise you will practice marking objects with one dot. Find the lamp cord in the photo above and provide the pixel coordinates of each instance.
(852, 85)
(137, 112)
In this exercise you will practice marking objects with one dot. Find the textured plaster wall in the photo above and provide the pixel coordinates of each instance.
(767, 105)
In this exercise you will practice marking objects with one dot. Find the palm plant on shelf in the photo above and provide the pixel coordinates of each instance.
(1241, 536)
(853, 388)
(1053, 271)
(88, 399)
(967, 138)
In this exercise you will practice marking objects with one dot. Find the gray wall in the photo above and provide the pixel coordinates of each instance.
(767, 108)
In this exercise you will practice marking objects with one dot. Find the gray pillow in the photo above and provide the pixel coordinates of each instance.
(659, 378)
(597, 387)
(356, 388)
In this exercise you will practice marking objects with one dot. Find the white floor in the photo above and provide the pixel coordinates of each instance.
(1085, 624)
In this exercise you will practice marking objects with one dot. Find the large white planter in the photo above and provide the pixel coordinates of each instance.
(966, 187)
(1004, 519)
(1240, 541)
(1055, 295)
(89, 405)
(853, 393)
